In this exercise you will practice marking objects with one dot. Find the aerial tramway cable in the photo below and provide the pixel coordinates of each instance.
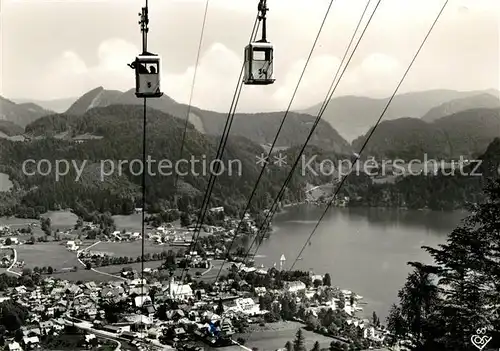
(220, 150)
(357, 157)
(144, 27)
(247, 207)
(263, 228)
(191, 94)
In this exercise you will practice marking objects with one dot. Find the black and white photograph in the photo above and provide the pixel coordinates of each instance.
(259, 175)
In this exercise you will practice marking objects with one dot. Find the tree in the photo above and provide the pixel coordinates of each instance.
(50, 270)
(220, 308)
(288, 346)
(316, 347)
(327, 281)
(442, 305)
(312, 322)
(185, 220)
(88, 265)
(8, 241)
(396, 322)
(299, 342)
(375, 319)
(335, 346)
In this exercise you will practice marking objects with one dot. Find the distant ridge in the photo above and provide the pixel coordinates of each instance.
(56, 105)
(21, 114)
(466, 133)
(352, 116)
(483, 100)
(258, 127)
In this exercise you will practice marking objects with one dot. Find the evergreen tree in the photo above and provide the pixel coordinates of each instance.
(327, 280)
(299, 342)
(220, 308)
(444, 313)
(316, 347)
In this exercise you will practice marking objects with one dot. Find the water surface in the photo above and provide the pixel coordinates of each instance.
(364, 250)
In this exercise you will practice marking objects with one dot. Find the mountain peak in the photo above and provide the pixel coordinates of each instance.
(20, 114)
(482, 99)
(97, 97)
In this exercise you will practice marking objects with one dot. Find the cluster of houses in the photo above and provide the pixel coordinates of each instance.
(55, 303)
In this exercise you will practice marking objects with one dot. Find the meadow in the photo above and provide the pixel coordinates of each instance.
(53, 254)
(61, 220)
(130, 248)
(5, 182)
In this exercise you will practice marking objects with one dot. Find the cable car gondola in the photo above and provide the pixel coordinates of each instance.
(147, 75)
(258, 69)
(147, 66)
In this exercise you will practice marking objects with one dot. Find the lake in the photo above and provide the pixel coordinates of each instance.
(364, 250)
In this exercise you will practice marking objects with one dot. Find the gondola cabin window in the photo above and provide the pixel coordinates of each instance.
(259, 64)
(147, 76)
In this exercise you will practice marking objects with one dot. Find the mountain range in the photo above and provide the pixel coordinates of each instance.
(259, 127)
(119, 128)
(21, 114)
(466, 133)
(413, 124)
(107, 125)
(353, 116)
(56, 105)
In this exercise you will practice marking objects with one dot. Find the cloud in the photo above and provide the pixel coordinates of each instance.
(70, 76)
(315, 82)
(216, 77)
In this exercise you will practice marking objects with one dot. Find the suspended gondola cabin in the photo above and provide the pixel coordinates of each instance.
(147, 76)
(259, 64)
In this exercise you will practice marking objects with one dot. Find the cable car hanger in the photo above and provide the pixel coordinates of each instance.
(147, 65)
(259, 55)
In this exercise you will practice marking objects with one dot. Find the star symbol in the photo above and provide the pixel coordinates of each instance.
(262, 160)
(280, 160)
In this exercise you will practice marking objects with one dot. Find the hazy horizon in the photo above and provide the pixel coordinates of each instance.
(21, 100)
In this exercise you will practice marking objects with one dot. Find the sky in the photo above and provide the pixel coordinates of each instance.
(55, 49)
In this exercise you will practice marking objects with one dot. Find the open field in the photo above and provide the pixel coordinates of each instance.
(131, 248)
(131, 222)
(47, 254)
(84, 275)
(15, 222)
(116, 269)
(216, 264)
(61, 219)
(275, 336)
(5, 182)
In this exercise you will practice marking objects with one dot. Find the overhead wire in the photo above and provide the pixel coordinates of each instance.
(191, 94)
(220, 150)
(357, 157)
(144, 26)
(254, 190)
(270, 214)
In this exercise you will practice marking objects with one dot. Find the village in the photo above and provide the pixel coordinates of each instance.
(106, 297)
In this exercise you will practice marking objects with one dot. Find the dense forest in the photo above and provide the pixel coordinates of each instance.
(435, 192)
(114, 133)
(466, 133)
(120, 132)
